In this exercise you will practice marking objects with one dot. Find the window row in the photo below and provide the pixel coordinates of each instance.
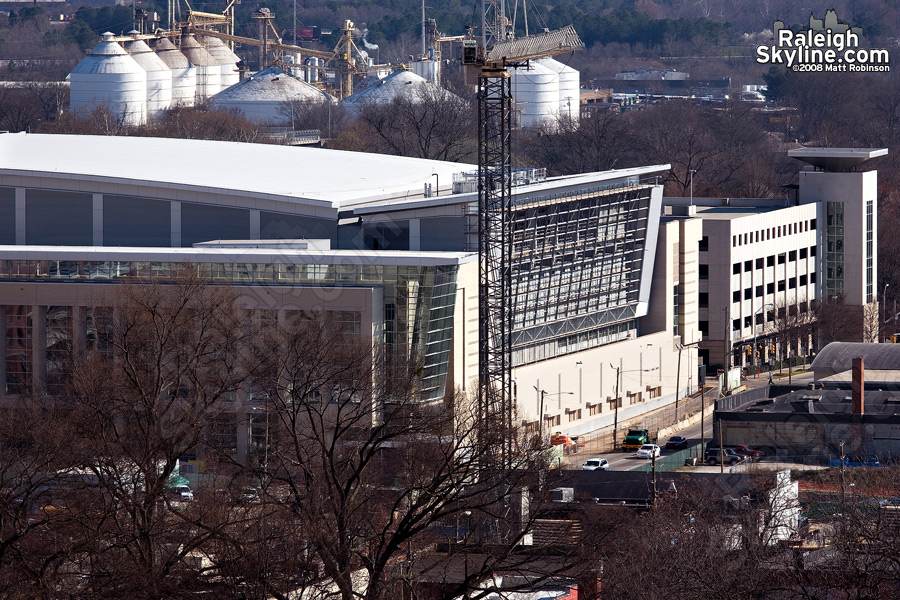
(771, 233)
(750, 292)
(792, 256)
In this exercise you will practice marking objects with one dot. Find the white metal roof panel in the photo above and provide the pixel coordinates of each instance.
(309, 176)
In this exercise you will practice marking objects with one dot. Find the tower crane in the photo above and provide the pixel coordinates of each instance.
(486, 61)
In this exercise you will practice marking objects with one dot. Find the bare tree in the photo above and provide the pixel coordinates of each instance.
(426, 122)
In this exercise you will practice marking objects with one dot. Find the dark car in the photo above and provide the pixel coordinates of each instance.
(726, 456)
(676, 442)
(751, 453)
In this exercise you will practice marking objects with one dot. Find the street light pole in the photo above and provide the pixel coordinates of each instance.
(616, 412)
(883, 302)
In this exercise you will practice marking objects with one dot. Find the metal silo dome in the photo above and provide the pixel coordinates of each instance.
(184, 74)
(383, 91)
(262, 96)
(536, 92)
(569, 87)
(209, 73)
(159, 76)
(227, 60)
(108, 75)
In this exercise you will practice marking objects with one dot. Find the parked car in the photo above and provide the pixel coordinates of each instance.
(725, 455)
(676, 442)
(751, 453)
(250, 495)
(183, 493)
(595, 464)
(648, 451)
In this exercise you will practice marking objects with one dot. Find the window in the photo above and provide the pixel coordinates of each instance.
(736, 296)
(770, 261)
(803, 252)
(781, 258)
(770, 288)
(768, 234)
(748, 321)
(748, 266)
(781, 285)
(704, 243)
(792, 255)
(812, 225)
(595, 409)
(812, 277)
(746, 241)
(736, 325)
(803, 280)
(812, 250)
(704, 272)
(736, 269)
(792, 283)
(704, 328)
(703, 298)
(748, 293)
(734, 241)
(759, 263)
(759, 291)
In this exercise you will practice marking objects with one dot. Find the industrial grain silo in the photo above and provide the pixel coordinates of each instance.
(270, 96)
(209, 72)
(569, 87)
(228, 60)
(535, 90)
(159, 76)
(184, 74)
(109, 76)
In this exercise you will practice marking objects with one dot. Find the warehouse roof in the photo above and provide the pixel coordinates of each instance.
(312, 176)
(838, 356)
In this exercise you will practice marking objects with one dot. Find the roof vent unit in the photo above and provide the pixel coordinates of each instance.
(563, 494)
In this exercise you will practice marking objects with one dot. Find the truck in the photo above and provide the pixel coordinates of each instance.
(637, 438)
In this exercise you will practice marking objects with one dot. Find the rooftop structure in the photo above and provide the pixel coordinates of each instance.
(836, 160)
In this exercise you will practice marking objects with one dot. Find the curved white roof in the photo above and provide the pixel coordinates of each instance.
(385, 90)
(310, 176)
(269, 85)
(107, 57)
(170, 54)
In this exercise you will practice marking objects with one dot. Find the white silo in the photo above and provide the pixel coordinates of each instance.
(535, 90)
(159, 76)
(108, 75)
(184, 74)
(209, 78)
(227, 60)
(569, 87)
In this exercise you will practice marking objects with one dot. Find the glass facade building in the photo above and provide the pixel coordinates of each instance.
(415, 318)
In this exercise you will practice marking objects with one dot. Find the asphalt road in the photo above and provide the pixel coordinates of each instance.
(625, 461)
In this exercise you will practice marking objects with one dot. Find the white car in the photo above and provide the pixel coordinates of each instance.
(595, 464)
(183, 493)
(648, 451)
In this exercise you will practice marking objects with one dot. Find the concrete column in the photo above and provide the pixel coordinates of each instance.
(254, 225)
(39, 349)
(175, 213)
(2, 350)
(415, 235)
(98, 219)
(20, 216)
(79, 330)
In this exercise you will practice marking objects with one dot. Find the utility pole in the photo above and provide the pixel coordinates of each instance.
(616, 412)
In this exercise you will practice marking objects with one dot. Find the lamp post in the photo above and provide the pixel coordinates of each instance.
(541, 408)
(883, 302)
(616, 413)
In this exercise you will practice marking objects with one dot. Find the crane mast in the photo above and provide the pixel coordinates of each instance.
(487, 63)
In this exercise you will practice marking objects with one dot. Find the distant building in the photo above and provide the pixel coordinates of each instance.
(767, 266)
